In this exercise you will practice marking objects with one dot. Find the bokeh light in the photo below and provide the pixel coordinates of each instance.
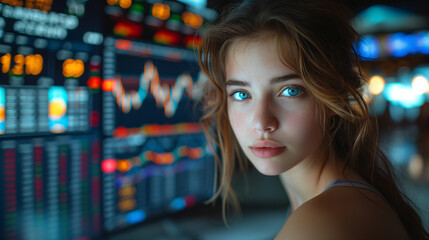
(420, 84)
(376, 84)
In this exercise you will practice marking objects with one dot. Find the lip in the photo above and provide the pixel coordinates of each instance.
(267, 149)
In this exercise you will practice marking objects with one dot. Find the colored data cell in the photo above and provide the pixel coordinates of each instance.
(2, 110)
(58, 121)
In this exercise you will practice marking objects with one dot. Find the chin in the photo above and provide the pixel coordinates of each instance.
(273, 166)
(270, 169)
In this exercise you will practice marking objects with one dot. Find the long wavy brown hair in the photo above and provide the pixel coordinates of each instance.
(315, 40)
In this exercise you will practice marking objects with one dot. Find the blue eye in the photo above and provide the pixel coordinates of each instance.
(239, 95)
(292, 91)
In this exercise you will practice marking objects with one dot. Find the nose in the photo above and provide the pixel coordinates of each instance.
(264, 119)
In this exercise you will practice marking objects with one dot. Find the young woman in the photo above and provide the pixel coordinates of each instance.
(285, 92)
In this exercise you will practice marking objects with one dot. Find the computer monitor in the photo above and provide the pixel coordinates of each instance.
(98, 117)
(50, 145)
(155, 158)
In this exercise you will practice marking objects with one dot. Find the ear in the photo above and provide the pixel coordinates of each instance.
(331, 117)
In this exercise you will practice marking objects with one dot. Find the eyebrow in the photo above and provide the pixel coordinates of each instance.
(284, 78)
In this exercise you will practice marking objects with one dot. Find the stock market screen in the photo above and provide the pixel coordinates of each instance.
(49, 119)
(155, 158)
(98, 116)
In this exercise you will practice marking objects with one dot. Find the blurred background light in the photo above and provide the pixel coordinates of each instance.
(396, 113)
(369, 47)
(397, 45)
(403, 95)
(376, 84)
(423, 42)
(379, 105)
(199, 4)
(381, 18)
(420, 84)
(411, 114)
(416, 166)
(400, 44)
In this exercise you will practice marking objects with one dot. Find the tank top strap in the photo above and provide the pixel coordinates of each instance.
(352, 183)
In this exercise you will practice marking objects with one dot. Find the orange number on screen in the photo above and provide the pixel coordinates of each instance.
(73, 68)
(33, 64)
(18, 68)
(5, 62)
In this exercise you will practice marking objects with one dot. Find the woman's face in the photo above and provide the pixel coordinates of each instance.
(270, 109)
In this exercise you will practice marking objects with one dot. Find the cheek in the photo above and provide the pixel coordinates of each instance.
(304, 127)
(237, 122)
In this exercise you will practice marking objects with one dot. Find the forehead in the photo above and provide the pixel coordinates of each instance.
(243, 45)
(261, 58)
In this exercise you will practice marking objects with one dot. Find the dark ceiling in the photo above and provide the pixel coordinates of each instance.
(420, 7)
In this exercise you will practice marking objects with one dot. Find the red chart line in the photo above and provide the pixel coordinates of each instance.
(165, 96)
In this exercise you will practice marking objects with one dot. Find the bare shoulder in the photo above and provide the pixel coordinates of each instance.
(344, 213)
(308, 222)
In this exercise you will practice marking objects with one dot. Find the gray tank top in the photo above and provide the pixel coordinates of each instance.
(352, 183)
(345, 183)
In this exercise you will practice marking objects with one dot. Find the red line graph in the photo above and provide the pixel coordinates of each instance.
(149, 83)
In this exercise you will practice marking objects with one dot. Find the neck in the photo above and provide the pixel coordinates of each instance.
(308, 179)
